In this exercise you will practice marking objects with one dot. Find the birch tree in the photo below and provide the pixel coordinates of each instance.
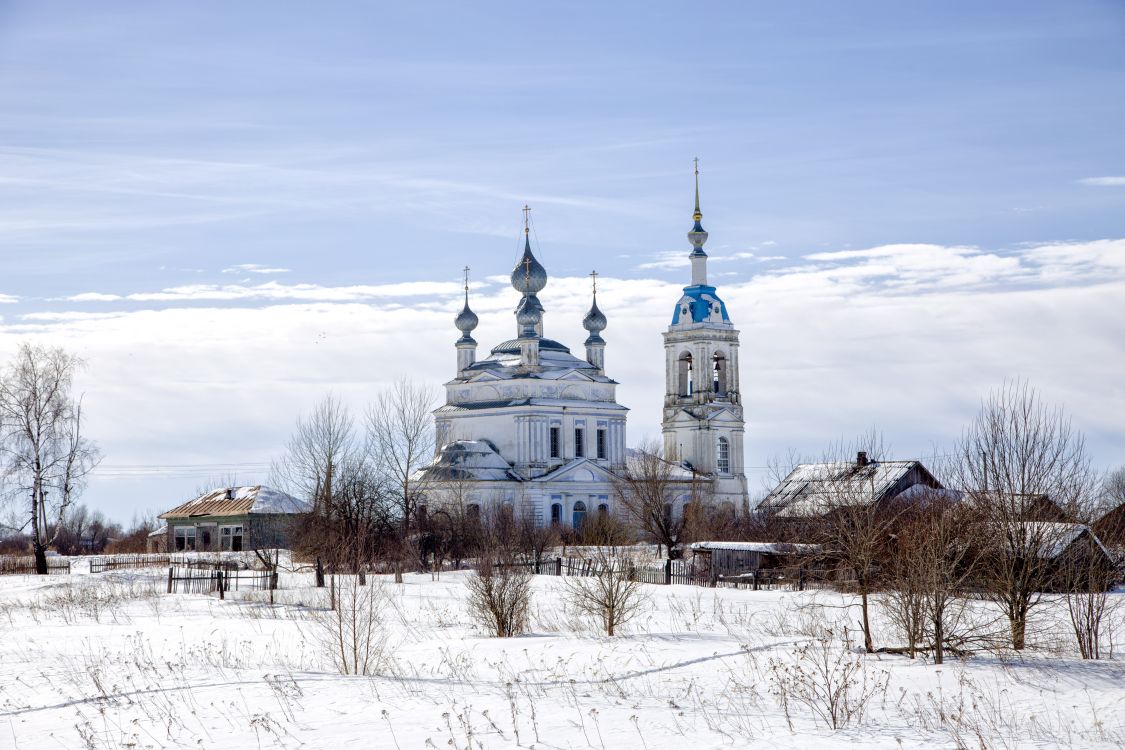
(44, 455)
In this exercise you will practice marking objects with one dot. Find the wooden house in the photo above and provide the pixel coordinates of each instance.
(233, 519)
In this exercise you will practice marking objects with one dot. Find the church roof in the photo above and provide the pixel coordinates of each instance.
(698, 304)
(504, 403)
(470, 459)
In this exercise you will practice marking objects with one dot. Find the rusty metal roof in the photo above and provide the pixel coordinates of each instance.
(238, 501)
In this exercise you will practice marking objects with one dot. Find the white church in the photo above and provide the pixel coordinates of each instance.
(536, 429)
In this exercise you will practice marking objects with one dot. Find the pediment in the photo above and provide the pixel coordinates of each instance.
(485, 377)
(578, 470)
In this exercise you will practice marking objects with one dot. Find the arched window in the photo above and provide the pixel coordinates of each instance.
(556, 513)
(684, 374)
(724, 456)
(578, 516)
(668, 513)
(603, 509)
(719, 374)
(472, 510)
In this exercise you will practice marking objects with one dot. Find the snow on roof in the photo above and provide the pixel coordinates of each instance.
(469, 459)
(160, 531)
(635, 459)
(775, 548)
(810, 489)
(239, 501)
(1054, 538)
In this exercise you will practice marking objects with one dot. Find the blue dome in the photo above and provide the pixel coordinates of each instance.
(698, 305)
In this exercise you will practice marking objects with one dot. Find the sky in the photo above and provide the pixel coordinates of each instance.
(231, 210)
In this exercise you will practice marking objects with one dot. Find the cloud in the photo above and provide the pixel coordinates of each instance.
(907, 337)
(1116, 181)
(8, 299)
(272, 291)
(254, 268)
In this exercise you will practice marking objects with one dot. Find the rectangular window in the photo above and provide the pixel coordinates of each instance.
(602, 452)
(185, 538)
(556, 440)
(230, 538)
(579, 442)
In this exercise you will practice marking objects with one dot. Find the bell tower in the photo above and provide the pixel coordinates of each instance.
(703, 424)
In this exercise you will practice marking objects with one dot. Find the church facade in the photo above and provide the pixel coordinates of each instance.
(535, 429)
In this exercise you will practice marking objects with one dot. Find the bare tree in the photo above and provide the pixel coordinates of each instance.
(646, 492)
(928, 573)
(44, 455)
(1024, 469)
(1087, 574)
(500, 596)
(852, 524)
(610, 595)
(400, 437)
(321, 444)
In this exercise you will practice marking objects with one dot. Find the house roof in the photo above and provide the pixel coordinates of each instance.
(238, 501)
(813, 489)
(776, 548)
(1054, 538)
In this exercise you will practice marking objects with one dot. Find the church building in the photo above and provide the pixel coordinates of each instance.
(537, 430)
(530, 427)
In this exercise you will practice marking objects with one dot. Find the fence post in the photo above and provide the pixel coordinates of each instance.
(558, 566)
(755, 579)
(219, 575)
(800, 579)
(668, 572)
(169, 579)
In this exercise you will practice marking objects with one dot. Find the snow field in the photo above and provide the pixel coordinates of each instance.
(110, 661)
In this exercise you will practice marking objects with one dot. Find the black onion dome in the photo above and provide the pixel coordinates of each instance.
(530, 311)
(594, 321)
(529, 276)
(466, 320)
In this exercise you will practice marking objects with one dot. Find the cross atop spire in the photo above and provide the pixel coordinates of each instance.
(466, 272)
(594, 279)
(526, 219)
(698, 214)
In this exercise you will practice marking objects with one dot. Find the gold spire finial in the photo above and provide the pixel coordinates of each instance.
(698, 214)
(526, 219)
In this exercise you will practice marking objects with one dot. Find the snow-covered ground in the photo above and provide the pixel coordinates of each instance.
(110, 661)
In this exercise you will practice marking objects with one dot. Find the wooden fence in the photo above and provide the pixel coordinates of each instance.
(124, 562)
(681, 572)
(25, 565)
(199, 581)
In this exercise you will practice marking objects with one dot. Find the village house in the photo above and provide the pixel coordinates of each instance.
(233, 519)
(812, 490)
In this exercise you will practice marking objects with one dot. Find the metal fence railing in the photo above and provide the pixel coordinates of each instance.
(203, 581)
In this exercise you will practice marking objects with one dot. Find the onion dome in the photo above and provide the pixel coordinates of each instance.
(529, 276)
(466, 320)
(529, 314)
(595, 321)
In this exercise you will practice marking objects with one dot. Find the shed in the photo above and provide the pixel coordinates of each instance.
(734, 558)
